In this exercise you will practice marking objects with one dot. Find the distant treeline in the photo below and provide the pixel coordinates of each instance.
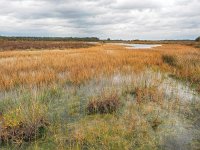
(88, 39)
(198, 39)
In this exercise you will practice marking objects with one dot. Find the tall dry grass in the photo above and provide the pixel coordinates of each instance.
(37, 68)
(184, 62)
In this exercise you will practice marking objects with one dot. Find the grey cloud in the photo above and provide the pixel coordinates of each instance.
(135, 4)
(123, 19)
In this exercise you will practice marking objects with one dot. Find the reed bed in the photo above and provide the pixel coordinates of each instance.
(37, 68)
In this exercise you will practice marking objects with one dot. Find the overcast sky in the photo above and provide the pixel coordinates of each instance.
(117, 19)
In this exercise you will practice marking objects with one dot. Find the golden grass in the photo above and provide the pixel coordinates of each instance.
(38, 68)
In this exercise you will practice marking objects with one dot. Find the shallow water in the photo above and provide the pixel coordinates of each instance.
(137, 46)
(141, 46)
(183, 132)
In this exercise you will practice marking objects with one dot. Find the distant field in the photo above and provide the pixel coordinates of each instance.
(6, 45)
(101, 96)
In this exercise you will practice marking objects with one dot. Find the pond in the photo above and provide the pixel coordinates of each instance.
(137, 46)
(141, 46)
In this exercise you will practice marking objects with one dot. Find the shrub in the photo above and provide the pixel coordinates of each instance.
(104, 104)
(170, 60)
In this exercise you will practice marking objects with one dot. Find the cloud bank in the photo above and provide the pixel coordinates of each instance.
(117, 19)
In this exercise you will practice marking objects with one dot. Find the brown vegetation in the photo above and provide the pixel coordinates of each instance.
(27, 45)
(104, 104)
(24, 123)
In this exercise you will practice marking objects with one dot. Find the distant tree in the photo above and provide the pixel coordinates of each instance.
(108, 39)
(198, 39)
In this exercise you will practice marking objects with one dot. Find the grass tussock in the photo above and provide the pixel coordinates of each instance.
(169, 59)
(108, 132)
(24, 123)
(145, 95)
(104, 104)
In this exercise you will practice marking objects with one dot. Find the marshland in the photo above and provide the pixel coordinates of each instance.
(102, 95)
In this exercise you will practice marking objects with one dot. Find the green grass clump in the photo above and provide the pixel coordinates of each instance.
(111, 132)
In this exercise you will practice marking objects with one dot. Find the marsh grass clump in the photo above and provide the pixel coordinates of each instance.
(170, 60)
(145, 95)
(25, 123)
(22, 132)
(129, 131)
(100, 133)
(50, 94)
(104, 104)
